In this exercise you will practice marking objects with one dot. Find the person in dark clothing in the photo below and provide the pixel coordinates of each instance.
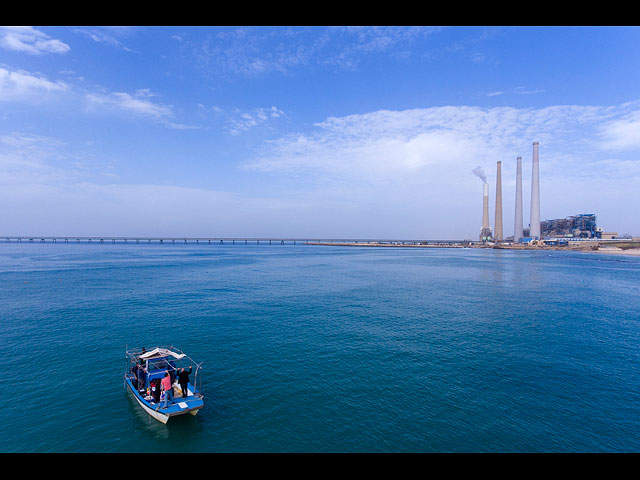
(134, 380)
(141, 378)
(183, 380)
(155, 390)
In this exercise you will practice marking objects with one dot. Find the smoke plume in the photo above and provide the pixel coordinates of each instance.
(479, 172)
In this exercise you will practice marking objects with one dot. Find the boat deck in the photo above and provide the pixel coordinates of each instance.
(179, 406)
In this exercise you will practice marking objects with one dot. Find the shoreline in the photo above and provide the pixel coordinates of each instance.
(634, 252)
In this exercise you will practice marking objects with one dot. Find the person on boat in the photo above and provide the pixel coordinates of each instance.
(183, 381)
(141, 378)
(155, 390)
(168, 389)
(134, 380)
(172, 372)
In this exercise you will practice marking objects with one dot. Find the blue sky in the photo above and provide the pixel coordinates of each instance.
(330, 132)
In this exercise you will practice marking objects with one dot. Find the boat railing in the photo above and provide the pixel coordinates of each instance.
(131, 357)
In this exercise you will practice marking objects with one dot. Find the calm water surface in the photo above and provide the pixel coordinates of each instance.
(323, 349)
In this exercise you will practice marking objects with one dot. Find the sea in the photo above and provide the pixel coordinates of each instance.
(322, 349)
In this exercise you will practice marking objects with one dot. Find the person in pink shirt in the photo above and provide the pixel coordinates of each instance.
(168, 389)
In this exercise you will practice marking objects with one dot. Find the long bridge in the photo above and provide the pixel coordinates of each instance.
(219, 240)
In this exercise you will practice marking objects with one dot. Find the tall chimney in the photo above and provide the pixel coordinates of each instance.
(498, 219)
(485, 232)
(517, 227)
(534, 225)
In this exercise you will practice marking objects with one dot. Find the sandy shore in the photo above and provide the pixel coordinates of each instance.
(635, 252)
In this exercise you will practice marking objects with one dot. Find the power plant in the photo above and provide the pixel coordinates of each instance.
(577, 227)
(497, 235)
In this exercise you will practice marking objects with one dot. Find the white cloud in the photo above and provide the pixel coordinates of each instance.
(259, 51)
(526, 91)
(104, 38)
(28, 158)
(137, 104)
(244, 121)
(19, 85)
(401, 142)
(622, 134)
(31, 41)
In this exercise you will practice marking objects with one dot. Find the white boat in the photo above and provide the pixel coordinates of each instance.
(145, 386)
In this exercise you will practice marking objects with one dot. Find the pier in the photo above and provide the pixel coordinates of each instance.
(227, 240)
(573, 244)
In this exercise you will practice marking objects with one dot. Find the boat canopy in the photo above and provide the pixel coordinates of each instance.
(161, 352)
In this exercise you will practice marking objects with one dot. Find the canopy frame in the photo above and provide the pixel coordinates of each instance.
(134, 356)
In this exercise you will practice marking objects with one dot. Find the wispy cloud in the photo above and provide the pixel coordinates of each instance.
(622, 133)
(527, 91)
(346, 47)
(20, 85)
(104, 37)
(139, 104)
(34, 159)
(31, 41)
(258, 51)
(244, 121)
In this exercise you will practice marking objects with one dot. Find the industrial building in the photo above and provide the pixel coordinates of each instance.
(578, 226)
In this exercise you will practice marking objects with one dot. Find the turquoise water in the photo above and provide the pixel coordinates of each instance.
(323, 349)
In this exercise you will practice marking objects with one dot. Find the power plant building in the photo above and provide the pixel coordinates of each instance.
(578, 226)
(583, 226)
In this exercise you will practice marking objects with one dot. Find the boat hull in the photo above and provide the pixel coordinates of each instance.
(161, 414)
